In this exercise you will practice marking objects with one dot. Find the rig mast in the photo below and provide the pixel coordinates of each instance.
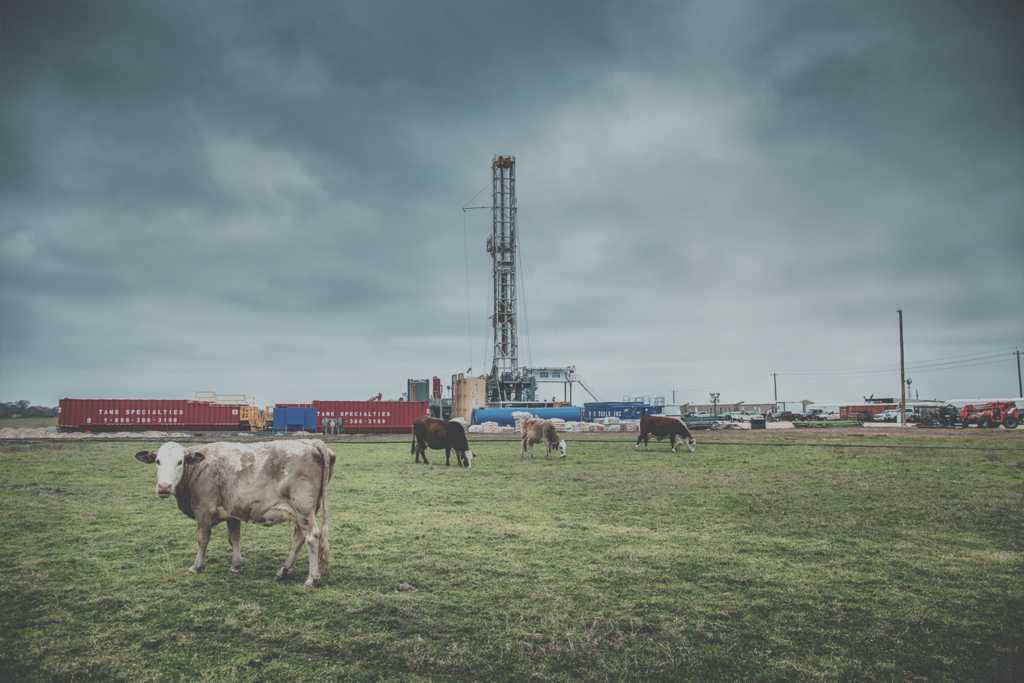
(501, 245)
(509, 384)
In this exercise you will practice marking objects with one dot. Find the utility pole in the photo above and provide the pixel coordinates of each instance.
(903, 377)
(1020, 387)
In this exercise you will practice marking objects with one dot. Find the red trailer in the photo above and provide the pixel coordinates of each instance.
(372, 417)
(142, 415)
(864, 412)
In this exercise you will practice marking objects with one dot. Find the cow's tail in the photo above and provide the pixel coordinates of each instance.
(326, 469)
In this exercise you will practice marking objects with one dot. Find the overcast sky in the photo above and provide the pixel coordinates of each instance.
(266, 198)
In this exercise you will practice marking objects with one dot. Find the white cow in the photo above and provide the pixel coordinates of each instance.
(261, 483)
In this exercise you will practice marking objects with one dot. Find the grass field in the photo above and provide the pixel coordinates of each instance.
(29, 422)
(744, 561)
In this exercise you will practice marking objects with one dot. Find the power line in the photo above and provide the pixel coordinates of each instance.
(945, 363)
(469, 315)
(530, 271)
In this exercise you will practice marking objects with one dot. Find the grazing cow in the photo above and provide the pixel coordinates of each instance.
(437, 434)
(659, 427)
(262, 483)
(535, 431)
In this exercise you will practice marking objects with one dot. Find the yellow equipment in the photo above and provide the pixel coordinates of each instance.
(247, 411)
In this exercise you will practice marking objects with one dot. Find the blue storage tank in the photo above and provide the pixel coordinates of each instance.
(503, 416)
(293, 419)
(622, 410)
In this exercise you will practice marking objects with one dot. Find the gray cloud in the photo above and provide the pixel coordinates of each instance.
(707, 192)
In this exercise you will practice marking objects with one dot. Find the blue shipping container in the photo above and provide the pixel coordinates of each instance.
(503, 416)
(292, 419)
(623, 411)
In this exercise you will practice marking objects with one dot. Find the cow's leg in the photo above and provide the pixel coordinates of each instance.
(297, 540)
(234, 538)
(203, 532)
(311, 534)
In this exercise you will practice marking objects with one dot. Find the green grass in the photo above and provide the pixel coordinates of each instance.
(738, 562)
(27, 422)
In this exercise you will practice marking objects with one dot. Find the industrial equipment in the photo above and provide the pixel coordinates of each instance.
(508, 384)
(935, 416)
(991, 414)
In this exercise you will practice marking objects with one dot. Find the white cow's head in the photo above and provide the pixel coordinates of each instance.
(170, 460)
(468, 455)
(561, 447)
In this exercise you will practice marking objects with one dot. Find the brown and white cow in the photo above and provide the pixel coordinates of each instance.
(660, 427)
(261, 483)
(437, 434)
(535, 431)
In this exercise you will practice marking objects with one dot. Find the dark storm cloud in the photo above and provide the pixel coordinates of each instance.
(181, 181)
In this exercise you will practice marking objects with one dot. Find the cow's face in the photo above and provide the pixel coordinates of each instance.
(468, 455)
(691, 443)
(170, 461)
(561, 447)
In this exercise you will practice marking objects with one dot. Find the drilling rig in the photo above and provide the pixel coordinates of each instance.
(508, 384)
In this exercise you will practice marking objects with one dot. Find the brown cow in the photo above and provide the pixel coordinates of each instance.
(535, 431)
(437, 434)
(659, 427)
(261, 483)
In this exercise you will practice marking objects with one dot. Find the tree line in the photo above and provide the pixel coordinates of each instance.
(25, 408)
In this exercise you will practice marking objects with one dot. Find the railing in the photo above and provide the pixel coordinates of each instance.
(225, 399)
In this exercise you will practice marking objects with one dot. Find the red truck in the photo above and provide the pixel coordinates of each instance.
(991, 414)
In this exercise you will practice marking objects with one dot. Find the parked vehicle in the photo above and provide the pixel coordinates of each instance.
(991, 414)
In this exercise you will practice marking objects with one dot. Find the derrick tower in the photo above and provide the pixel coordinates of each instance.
(501, 245)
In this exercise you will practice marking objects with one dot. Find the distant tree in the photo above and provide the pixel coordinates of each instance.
(24, 408)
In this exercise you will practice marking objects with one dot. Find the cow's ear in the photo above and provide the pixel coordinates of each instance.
(193, 458)
(146, 457)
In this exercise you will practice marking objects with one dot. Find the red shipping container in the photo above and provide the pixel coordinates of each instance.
(141, 415)
(372, 417)
(870, 410)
